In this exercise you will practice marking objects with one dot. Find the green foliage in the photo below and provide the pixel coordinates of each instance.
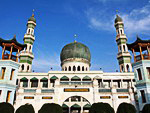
(101, 108)
(126, 108)
(51, 108)
(27, 108)
(6, 108)
(146, 108)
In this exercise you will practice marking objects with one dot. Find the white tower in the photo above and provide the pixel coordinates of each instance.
(123, 55)
(27, 56)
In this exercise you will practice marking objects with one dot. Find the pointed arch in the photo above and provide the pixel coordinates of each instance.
(74, 68)
(64, 78)
(75, 78)
(69, 68)
(78, 68)
(86, 78)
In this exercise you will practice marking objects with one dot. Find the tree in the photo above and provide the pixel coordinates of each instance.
(146, 108)
(126, 108)
(101, 108)
(27, 108)
(51, 108)
(6, 108)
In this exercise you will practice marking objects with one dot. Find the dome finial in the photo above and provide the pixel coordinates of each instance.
(75, 38)
(33, 12)
(117, 12)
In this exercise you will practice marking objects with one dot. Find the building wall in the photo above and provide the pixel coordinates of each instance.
(6, 84)
(102, 87)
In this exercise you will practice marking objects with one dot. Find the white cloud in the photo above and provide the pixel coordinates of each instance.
(136, 22)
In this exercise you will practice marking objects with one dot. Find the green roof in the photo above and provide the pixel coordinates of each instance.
(118, 19)
(86, 78)
(64, 106)
(76, 106)
(24, 78)
(32, 18)
(34, 78)
(64, 78)
(75, 78)
(54, 78)
(87, 106)
(75, 50)
(44, 78)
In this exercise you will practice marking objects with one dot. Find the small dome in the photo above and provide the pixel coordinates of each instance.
(32, 18)
(118, 19)
(75, 50)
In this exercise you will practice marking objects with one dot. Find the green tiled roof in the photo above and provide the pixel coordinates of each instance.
(54, 78)
(64, 78)
(87, 106)
(24, 78)
(75, 50)
(64, 106)
(44, 78)
(86, 78)
(76, 106)
(75, 78)
(34, 78)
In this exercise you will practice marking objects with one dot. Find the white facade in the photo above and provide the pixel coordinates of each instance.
(112, 88)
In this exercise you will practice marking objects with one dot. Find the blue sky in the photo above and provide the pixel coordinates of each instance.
(59, 20)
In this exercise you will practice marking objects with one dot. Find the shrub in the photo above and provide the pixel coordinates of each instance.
(27, 108)
(51, 108)
(6, 108)
(101, 108)
(126, 108)
(146, 108)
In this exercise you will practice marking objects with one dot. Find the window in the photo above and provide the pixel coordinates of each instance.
(122, 69)
(148, 72)
(143, 96)
(0, 92)
(124, 48)
(127, 66)
(8, 96)
(83, 68)
(78, 68)
(27, 68)
(121, 31)
(12, 74)
(30, 48)
(139, 74)
(65, 68)
(25, 83)
(22, 66)
(69, 68)
(3, 72)
(28, 31)
(34, 83)
(74, 68)
(45, 84)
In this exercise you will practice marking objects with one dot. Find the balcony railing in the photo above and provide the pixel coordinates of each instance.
(47, 91)
(30, 90)
(122, 90)
(6, 57)
(104, 90)
(145, 57)
(75, 82)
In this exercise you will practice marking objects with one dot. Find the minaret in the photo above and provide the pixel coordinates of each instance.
(123, 55)
(27, 56)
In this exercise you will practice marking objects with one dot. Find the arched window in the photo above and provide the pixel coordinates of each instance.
(30, 48)
(69, 68)
(124, 48)
(65, 68)
(127, 66)
(28, 31)
(86, 69)
(78, 68)
(22, 66)
(27, 68)
(120, 47)
(121, 31)
(74, 68)
(83, 68)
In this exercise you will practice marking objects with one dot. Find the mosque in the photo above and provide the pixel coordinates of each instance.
(75, 87)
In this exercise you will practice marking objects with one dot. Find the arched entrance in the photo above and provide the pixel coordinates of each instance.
(76, 104)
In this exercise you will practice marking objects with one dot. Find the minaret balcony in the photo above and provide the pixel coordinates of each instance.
(9, 57)
(141, 57)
